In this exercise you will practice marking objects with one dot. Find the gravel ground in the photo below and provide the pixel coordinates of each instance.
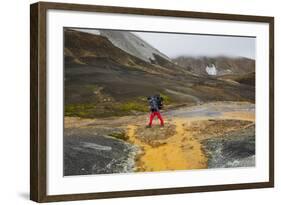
(87, 152)
(235, 149)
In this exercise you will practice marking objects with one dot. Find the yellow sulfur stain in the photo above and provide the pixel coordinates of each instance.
(179, 152)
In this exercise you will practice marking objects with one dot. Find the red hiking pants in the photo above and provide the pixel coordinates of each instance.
(152, 115)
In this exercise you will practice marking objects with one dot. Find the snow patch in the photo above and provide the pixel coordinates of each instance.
(211, 70)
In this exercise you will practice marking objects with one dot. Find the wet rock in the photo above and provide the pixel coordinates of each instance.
(234, 149)
(90, 151)
(203, 129)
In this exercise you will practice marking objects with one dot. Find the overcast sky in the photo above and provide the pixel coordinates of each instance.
(174, 45)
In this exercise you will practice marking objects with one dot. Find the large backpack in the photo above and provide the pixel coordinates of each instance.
(159, 101)
(153, 104)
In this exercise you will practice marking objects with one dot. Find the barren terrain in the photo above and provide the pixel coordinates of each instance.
(210, 135)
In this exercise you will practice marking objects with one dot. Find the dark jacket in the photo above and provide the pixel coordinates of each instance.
(154, 107)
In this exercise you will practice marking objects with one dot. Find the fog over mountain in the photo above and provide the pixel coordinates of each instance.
(175, 45)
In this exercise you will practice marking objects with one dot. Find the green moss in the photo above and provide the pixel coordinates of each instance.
(167, 99)
(79, 110)
(92, 87)
(142, 99)
(109, 109)
(119, 135)
(106, 109)
(133, 106)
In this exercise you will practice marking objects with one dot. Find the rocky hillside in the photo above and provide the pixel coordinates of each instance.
(109, 73)
(129, 43)
(248, 79)
(223, 65)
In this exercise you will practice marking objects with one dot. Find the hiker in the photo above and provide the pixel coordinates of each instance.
(155, 103)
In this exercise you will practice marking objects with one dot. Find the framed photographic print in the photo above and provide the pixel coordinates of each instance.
(134, 102)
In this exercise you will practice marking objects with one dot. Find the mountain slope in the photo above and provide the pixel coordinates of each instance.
(101, 79)
(223, 65)
(129, 43)
(248, 79)
(87, 48)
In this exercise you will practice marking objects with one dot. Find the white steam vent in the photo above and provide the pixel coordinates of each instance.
(211, 70)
